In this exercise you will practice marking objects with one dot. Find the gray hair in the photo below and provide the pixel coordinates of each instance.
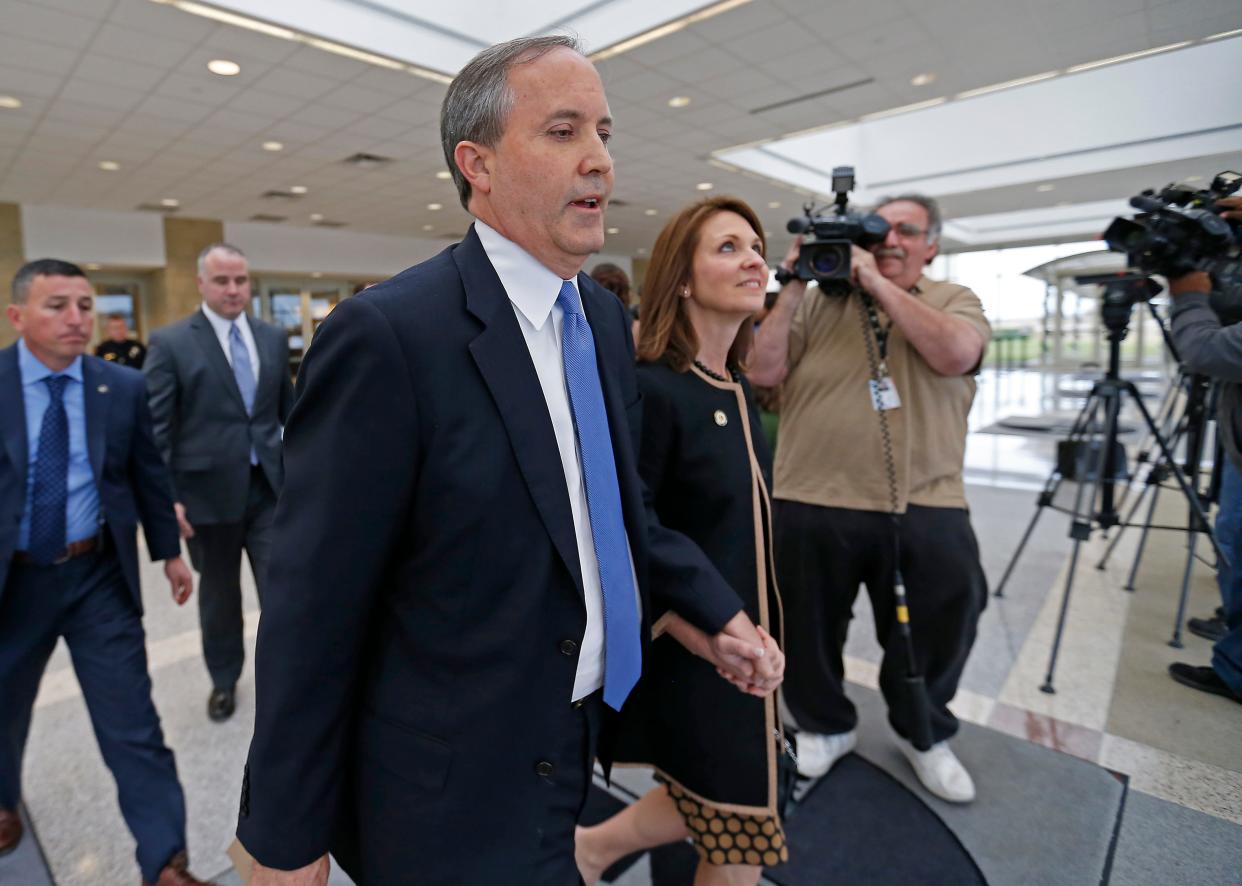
(934, 221)
(40, 267)
(228, 248)
(479, 100)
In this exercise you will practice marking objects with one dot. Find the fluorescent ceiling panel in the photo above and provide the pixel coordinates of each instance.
(1161, 108)
(444, 36)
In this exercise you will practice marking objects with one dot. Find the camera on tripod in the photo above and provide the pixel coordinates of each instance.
(1180, 230)
(825, 253)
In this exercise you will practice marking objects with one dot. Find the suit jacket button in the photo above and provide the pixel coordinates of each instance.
(544, 768)
(568, 647)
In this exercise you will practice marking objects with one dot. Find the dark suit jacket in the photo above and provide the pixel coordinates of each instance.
(201, 425)
(129, 474)
(423, 578)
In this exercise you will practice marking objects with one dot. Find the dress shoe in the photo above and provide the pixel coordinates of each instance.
(1203, 679)
(175, 874)
(10, 830)
(221, 704)
(1213, 628)
(939, 770)
(817, 753)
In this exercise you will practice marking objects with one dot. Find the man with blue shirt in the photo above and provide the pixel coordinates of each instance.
(78, 471)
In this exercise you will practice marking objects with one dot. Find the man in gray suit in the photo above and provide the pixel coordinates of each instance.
(220, 391)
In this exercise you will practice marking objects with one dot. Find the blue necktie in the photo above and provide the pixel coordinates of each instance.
(622, 647)
(50, 496)
(243, 372)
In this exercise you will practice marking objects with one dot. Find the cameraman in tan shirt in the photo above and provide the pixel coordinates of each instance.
(923, 342)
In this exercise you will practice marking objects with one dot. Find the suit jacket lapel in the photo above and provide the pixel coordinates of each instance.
(98, 398)
(206, 337)
(13, 411)
(502, 357)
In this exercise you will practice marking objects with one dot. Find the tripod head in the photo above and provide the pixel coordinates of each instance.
(1122, 291)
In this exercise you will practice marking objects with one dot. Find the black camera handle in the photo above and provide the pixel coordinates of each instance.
(914, 684)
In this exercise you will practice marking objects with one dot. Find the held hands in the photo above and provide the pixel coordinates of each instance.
(747, 657)
(187, 531)
(314, 874)
(180, 579)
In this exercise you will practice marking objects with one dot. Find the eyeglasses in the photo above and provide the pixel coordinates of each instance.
(907, 231)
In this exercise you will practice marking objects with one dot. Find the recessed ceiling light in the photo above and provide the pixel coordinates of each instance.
(298, 189)
(170, 202)
(774, 204)
(316, 274)
(679, 101)
(223, 67)
(109, 165)
(92, 266)
(273, 146)
(435, 206)
(316, 216)
(651, 212)
(429, 227)
(11, 102)
(444, 175)
(1046, 187)
(614, 230)
(923, 79)
(642, 250)
(703, 186)
(1192, 178)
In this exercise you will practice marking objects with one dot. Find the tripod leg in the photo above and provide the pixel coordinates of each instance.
(1080, 531)
(1138, 554)
(1192, 495)
(1045, 499)
(1138, 502)
(1176, 641)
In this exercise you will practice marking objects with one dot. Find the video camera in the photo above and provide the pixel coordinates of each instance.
(1179, 230)
(825, 253)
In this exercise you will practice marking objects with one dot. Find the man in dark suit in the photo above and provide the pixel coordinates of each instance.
(78, 471)
(458, 600)
(220, 393)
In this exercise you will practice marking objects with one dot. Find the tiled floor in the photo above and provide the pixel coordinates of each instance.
(72, 800)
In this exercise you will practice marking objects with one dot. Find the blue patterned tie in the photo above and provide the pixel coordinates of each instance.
(243, 372)
(50, 496)
(622, 648)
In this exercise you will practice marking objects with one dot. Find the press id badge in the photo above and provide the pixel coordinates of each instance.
(884, 394)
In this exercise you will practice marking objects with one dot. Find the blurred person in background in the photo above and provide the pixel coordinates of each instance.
(120, 347)
(220, 393)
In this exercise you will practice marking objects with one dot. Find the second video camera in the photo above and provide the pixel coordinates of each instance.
(825, 253)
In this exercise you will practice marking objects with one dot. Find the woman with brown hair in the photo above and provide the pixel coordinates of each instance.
(704, 458)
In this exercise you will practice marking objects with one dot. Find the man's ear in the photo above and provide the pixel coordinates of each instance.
(935, 251)
(475, 163)
(14, 313)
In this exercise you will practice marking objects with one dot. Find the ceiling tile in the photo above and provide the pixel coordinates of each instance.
(102, 95)
(38, 22)
(119, 42)
(160, 20)
(23, 83)
(115, 72)
(297, 84)
(35, 55)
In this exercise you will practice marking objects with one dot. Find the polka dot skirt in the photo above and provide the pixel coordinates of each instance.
(731, 837)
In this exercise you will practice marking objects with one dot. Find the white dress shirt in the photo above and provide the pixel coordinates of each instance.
(533, 289)
(220, 325)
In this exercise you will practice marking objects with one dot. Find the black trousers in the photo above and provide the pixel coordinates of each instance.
(824, 554)
(215, 551)
(86, 601)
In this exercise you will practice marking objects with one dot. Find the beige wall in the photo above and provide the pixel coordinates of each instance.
(174, 293)
(12, 257)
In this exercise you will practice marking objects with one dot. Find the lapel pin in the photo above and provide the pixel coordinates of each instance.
(721, 418)
(103, 389)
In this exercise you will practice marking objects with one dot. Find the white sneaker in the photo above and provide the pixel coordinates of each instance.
(817, 753)
(939, 770)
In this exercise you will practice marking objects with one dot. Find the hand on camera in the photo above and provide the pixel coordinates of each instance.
(864, 270)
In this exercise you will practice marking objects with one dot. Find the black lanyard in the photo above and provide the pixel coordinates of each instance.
(880, 331)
